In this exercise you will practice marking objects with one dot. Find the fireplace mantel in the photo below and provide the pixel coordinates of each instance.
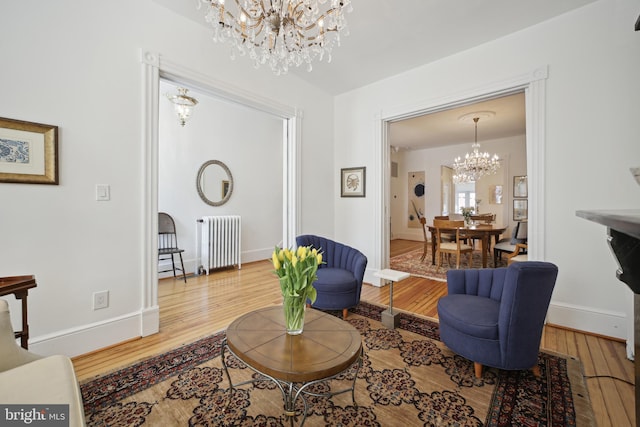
(623, 227)
(624, 240)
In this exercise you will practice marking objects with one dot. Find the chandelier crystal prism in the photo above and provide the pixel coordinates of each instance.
(281, 33)
(475, 164)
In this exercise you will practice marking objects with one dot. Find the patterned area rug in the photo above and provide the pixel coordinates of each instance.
(410, 262)
(408, 378)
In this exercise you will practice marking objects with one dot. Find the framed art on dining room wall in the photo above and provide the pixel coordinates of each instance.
(520, 186)
(520, 209)
(28, 152)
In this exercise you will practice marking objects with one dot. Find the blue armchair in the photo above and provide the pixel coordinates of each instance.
(339, 277)
(495, 317)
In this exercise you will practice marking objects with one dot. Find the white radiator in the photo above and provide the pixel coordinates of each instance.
(220, 241)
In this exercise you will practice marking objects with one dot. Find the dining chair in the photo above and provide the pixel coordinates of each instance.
(423, 222)
(508, 245)
(518, 254)
(449, 237)
(168, 244)
(457, 246)
(484, 219)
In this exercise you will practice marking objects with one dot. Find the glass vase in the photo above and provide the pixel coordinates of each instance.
(294, 308)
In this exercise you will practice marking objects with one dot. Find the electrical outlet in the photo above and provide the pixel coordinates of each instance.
(100, 300)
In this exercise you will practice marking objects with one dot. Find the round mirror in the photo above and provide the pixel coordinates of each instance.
(214, 183)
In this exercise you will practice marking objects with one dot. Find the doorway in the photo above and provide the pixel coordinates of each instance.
(533, 85)
(155, 68)
(427, 145)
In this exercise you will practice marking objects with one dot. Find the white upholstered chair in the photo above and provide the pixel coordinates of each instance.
(29, 379)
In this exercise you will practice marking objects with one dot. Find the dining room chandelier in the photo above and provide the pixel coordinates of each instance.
(182, 104)
(281, 33)
(475, 164)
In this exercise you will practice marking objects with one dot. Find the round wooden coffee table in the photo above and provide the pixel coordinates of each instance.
(327, 347)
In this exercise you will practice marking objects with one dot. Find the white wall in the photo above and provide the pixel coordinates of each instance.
(591, 132)
(218, 130)
(77, 65)
(512, 152)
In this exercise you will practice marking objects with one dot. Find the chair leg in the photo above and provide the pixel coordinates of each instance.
(173, 263)
(184, 273)
(536, 371)
(477, 367)
(345, 312)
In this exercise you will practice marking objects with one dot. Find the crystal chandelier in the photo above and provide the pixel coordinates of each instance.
(475, 164)
(182, 104)
(282, 33)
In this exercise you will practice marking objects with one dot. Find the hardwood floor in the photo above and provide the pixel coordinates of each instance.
(207, 304)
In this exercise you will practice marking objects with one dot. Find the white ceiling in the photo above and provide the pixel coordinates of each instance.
(446, 128)
(389, 37)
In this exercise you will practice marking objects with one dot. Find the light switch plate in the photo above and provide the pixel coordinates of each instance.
(103, 192)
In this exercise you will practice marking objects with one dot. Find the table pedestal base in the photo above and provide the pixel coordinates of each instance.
(291, 391)
(390, 319)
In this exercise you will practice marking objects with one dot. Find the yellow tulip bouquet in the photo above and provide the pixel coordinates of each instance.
(296, 270)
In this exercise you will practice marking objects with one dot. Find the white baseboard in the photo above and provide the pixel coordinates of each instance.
(190, 265)
(257, 254)
(150, 321)
(81, 340)
(607, 323)
(407, 236)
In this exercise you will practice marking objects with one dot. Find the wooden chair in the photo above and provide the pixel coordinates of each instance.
(456, 246)
(508, 245)
(168, 244)
(486, 218)
(519, 254)
(423, 221)
(483, 219)
(449, 237)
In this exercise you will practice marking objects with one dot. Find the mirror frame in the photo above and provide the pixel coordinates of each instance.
(204, 198)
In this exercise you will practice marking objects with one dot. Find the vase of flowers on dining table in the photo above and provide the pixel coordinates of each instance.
(466, 213)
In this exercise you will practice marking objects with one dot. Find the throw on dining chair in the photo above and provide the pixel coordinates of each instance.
(508, 245)
(340, 275)
(444, 229)
(495, 316)
(168, 244)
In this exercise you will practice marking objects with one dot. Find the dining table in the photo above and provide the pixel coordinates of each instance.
(483, 232)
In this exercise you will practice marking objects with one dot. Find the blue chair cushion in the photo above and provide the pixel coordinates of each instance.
(336, 280)
(470, 314)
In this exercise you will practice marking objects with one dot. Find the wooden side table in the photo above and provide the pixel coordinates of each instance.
(19, 286)
(389, 318)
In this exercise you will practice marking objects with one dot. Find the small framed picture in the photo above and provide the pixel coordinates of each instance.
(495, 194)
(28, 152)
(353, 182)
(520, 186)
(520, 210)
(225, 188)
